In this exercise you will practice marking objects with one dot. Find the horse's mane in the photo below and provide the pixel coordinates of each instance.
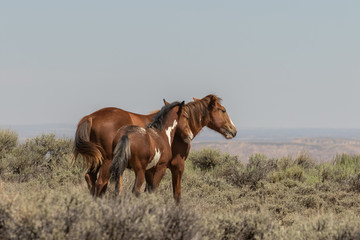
(200, 109)
(159, 117)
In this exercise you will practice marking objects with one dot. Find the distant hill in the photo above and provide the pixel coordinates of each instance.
(321, 144)
(280, 135)
(321, 149)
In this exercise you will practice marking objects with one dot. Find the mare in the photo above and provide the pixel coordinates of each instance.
(95, 134)
(93, 141)
(149, 148)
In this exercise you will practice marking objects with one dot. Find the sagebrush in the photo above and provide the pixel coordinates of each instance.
(43, 196)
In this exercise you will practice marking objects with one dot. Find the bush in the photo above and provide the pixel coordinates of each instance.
(294, 172)
(355, 183)
(252, 225)
(43, 158)
(78, 216)
(344, 168)
(284, 163)
(256, 170)
(43, 197)
(8, 141)
(206, 159)
(304, 160)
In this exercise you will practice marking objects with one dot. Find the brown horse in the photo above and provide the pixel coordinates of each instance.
(95, 134)
(149, 149)
(209, 112)
(93, 141)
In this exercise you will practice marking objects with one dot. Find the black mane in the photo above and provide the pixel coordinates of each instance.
(159, 117)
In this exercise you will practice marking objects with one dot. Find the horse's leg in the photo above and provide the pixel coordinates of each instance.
(149, 176)
(180, 151)
(102, 181)
(158, 175)
(139, 180)
(177, 169)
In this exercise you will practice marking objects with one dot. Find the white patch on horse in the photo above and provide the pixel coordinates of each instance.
(168, 131)
(155, 159)
(191, 135)
(232, 122)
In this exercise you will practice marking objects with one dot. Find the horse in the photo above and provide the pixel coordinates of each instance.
(93, 141)
(95, 133)
(209, 112)
(149, 149)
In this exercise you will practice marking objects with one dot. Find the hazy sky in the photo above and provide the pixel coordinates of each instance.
(274, 63)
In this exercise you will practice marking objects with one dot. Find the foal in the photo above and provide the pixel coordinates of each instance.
(149, 149)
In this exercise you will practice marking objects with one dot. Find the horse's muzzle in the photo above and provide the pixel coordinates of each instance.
(229, 132)
(189, 137)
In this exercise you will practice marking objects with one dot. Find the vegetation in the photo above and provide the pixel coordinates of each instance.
(44, 196)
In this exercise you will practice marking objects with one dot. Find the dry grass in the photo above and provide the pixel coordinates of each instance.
(43, 197)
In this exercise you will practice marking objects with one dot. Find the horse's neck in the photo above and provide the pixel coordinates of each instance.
(169, 130)
(200, 123)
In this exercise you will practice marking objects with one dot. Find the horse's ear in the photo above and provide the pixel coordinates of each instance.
(182, 104)
(196, 99)
(212, 102)
(166, 102)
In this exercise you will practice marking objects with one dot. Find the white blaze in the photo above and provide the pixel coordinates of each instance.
(155, 159)
(232, 122)
(191, 135)
(168, 131)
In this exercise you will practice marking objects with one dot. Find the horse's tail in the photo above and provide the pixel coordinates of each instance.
(122, 153)
(91, 152)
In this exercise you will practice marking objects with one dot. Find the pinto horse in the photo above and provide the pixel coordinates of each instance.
(93, 141)
(149, 149)
(95, 133)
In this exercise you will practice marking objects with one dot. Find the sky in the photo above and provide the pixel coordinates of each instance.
(275, 64)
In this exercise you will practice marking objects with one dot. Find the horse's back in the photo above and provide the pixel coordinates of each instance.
(138, 137)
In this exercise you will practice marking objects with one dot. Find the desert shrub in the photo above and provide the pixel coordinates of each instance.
(229, 167)
(5, 219)
(264, 199)
(355, 183)
(304, 160)
(43, 158)
(208, 158)
(294, 172)
(302, 168)
(252, 225)
(8, 141)
(149, 218)
(344, 168)
(311, 201)
(325, 172)
(256, 170)
(322, 227)
(284, 163)
(50, 215)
